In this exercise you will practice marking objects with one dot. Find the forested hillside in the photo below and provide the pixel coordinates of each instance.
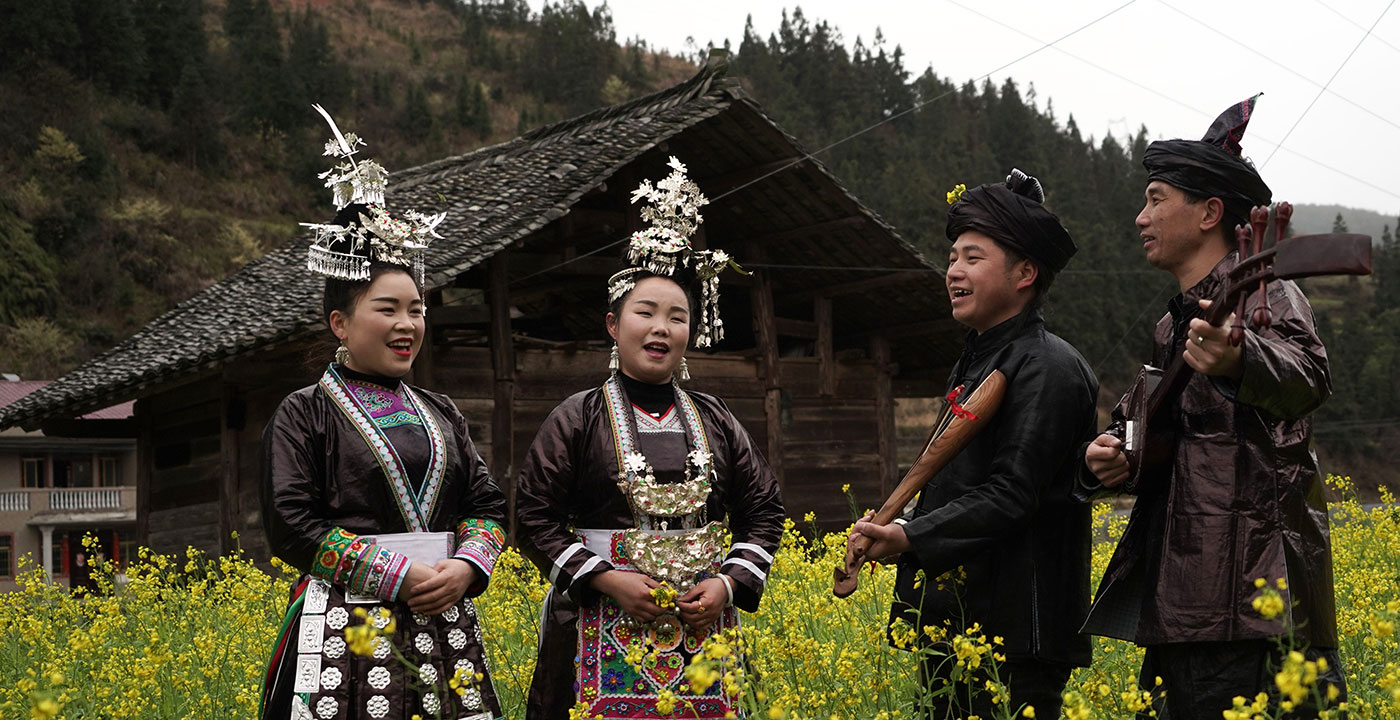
(152, 147)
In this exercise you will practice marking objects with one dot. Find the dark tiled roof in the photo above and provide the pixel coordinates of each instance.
(495, 196)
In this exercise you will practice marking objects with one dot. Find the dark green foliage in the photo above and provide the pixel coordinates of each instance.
(256, 72)
(28, 277)
(573, 51)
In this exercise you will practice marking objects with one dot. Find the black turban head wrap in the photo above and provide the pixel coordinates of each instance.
(1013, 214)
(1213, 166)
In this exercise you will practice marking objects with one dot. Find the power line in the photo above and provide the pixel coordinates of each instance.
(920, 105)
(1235, 42)
(1173, 100)
(1380, 39)
(1329, 82)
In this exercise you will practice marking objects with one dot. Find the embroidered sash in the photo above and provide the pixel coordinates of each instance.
(416, 509)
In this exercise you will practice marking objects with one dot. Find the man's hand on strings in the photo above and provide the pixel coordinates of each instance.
(1208, 349)
(1106, 460)
(631, 591)
(701, 605)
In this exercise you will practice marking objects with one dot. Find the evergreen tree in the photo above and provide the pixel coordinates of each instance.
(194, 127)
(312, 68)
(257, 67)
(573, 53)
(417, 119)
(113, 56)
(1339, 225)
(173, 33)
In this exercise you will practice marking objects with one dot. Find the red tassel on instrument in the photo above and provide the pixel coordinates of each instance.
(957, 409)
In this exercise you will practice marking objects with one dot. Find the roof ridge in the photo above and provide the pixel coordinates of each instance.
(711, 75)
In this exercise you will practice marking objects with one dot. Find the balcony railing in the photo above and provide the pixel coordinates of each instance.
(37, 500)
(14, 501)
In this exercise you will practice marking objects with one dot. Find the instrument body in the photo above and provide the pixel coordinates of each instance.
(1149, 441)
(955, 427)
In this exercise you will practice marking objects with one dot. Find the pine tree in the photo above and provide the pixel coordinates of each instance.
(194, 128)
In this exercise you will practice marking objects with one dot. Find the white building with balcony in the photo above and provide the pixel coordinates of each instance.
(55, 490)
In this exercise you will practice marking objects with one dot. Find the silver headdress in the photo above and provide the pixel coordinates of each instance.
(673, 209)
(346, 249)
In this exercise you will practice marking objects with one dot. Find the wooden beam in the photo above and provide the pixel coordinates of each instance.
(503, 368)
(609, 220)
(813, 229)
(866, 285)
(826, 354)
(719, 184)
(788, 327)
(766, 325)
(458, 315)
(884, 412)
(145, 466)
(552, 264)
(922, 327)
(231, 412)
(425, 365)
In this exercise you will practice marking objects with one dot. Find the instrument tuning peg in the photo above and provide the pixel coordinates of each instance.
(1261, 318)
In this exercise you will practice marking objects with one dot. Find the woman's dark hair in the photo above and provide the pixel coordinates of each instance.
(343, 294)
(681, 277)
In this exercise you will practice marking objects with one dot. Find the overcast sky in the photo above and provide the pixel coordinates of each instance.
(1150, 62)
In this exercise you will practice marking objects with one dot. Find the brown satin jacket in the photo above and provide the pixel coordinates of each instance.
(1244, 497)
(569, 481)
(318, 474)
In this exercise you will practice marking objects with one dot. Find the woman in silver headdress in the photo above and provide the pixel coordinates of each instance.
(628, 491)
(372, 488)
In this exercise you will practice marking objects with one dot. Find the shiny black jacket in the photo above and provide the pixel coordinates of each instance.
(318, 473)
(1004, 508)
(1244, 499)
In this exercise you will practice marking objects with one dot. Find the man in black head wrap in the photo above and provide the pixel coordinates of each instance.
(1003, 509)
(1244, 498)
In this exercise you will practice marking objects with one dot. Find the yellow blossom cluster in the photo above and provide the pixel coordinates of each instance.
(180, 637)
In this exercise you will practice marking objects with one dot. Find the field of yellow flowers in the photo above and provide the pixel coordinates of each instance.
(187, 637)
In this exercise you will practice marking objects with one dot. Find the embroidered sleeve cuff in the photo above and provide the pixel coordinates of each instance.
(479, 542)
(360, 566)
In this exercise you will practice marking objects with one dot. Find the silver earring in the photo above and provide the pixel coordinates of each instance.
(342, 355)
(685, 371)
(614, 359)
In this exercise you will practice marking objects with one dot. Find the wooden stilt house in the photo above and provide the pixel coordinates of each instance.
(815, 353)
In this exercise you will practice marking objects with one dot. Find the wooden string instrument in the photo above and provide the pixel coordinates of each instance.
(1149, 438)
(955, 427)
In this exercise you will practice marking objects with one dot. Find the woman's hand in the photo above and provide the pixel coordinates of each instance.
(447, 583)
(631, 591)
(701, 605)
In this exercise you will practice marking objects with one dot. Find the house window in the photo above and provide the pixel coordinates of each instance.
(109, 472)
(7, 555)
(33, 472)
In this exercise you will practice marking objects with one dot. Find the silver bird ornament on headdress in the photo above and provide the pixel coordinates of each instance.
(347, 248)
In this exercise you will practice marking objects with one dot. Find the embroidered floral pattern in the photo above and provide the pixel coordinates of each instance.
(479, 542)
(415, 509)
(346, 559)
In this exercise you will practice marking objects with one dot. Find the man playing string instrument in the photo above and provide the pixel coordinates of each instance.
(1242, 498)
(1003, 507)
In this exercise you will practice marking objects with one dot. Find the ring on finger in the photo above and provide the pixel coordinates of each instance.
(1200, 339)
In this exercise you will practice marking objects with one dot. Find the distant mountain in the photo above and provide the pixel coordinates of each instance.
(1309, 219)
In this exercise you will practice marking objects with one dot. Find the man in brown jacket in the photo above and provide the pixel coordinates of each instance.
(1243, 498)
